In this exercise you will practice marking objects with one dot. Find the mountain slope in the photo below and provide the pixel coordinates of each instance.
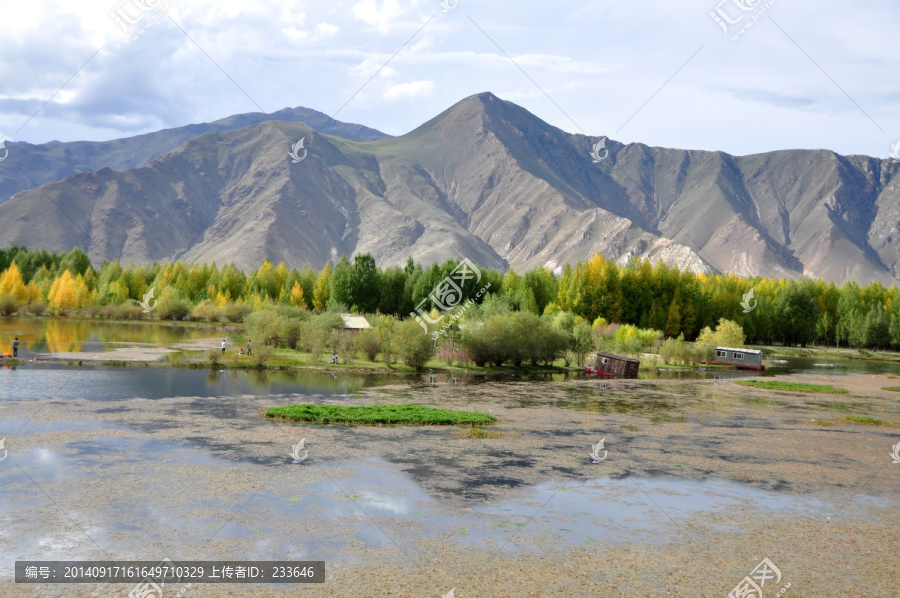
(486, 180)
(55, 161)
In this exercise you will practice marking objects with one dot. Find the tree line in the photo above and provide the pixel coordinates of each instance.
(678, 303)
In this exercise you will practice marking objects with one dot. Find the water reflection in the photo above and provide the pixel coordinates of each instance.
(58, 335)
(103, 383)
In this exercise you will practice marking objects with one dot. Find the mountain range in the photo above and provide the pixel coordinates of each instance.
(484, 180)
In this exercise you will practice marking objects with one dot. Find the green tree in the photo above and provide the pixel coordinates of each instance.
(797, 314)
(342, 283)
(365, 284)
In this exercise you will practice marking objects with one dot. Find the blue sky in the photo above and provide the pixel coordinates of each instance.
(803, 75)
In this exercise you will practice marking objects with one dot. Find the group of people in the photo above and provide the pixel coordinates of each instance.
(249, 351)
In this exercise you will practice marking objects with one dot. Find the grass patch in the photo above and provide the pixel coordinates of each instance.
(379, 414)
(792, 386)
(868, 421)
(836, 406)
(891, 388)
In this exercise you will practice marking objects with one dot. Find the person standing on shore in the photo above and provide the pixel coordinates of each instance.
(248, 349)
(16, 347)
(223, 346)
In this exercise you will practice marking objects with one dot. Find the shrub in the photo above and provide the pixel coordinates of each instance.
(385, 332)
(414, 347)
(347, 346)
(9, 304)
(676, 350)
(207, 311)
(312, 339)
(727, 334)
(215, 356)
(36, 308)
(514, 338)
(582, 341)
(447, 352)
(171, 305)
(266, 326)
(483, 342)
(290, 331)
(125, 311)
(236, 312)
(367, 342)
(261, 352)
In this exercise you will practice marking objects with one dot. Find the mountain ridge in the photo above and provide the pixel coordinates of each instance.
(55, 160)
(487, 180)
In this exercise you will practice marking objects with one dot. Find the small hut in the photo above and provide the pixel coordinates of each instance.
(745, 359)
(614, 366)
(355, 323)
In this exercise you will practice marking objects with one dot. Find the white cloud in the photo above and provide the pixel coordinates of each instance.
(412, 89)
(324, 30)
(383, 15)
(599, 62)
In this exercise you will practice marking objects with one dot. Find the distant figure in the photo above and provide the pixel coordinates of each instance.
(223, 346)
(334, 358)
(241, 352)
(248, 349)
(16, 347)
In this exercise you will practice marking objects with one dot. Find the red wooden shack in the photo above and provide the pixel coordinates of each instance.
(614, 366)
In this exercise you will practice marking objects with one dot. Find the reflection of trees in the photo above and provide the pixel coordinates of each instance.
(66, 335)
(156, 334)
(212, 377)
(259, 379)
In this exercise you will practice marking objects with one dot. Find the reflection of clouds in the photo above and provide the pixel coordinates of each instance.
(42, 465)
(381, 502)
(63, 544)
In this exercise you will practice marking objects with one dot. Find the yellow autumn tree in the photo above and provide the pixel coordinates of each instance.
(281, 275)
(11, 284)
(68, 293)
(297, 298)
(322, 290)
(34, 292)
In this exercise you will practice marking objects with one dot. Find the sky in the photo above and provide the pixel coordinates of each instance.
(770, 75)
